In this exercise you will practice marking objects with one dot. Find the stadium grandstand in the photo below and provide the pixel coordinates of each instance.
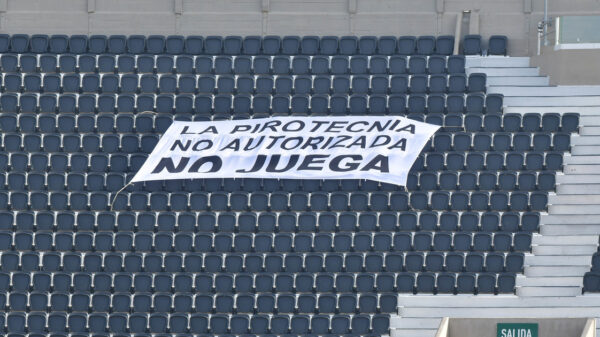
(499, 219)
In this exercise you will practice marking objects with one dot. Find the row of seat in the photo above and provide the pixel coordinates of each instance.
(78, 324)
(257, 263)
(221, 107)
(199, 201)
(181, 302)
(129, 163)
(263, 222)
(149, 123)
(133, 143)
(488, 161)
(229, 45)
(444, 142)
(70, 143)
(279, 65)
(243, 284)
(227, 84)
(427, 181)
(490, 240)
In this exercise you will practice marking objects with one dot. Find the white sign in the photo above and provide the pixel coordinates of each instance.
(381, 148)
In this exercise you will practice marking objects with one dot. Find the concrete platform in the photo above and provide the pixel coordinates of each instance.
(592, 110)
(518, 80)
(545, 91)
(505, 71)
(496, 61)
(553, 101)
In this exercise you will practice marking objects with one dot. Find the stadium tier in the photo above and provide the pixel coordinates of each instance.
(254, 256)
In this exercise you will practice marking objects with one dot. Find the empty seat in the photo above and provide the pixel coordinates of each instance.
(497, 45)
(155, 44)
(425, 45)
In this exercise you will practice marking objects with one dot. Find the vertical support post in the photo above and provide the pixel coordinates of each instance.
(91, 9)
(265, 7)
(178, 8)
(352, 9)
(178, 11)
(457, 33)
(557, 30)
(3, 9)
(546, 22)
(439, 9)
(527, 9)
(540, 32)
(91, 6)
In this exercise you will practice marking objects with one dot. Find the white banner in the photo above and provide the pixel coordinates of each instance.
(378, 148)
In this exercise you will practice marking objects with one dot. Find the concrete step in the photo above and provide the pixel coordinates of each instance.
(414, 323)
(568, 240)
(522, 81)
(580, 169)
(544, 91)
(552, 291)
(584, 140)
(582, 110)
(589, 130)
(554, 271)
(586, 150)
(413, 332)
(574, 199)
(577, 178)
(504, 71)
(496, 301)
(407, 313)
(573, 209)
(550, 219)
(564, 250)
(582, 159)
(590, 120)
(496, 61)
(563, 260)
(578, 188)
(592, 229)
(548, 281)
(551, 101)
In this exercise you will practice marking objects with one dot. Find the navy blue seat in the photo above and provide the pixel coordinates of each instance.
(155, 44)
(251, 45)
(426, 45)
(497, 45)
(117, 44)
(309, 45)
(194, 45)
(444, 45)
(328, 45)
(136, 44)
(472, 45)
(175, 44)
(406, 45)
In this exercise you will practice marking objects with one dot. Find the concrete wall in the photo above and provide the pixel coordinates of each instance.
(569, 67)
(515, 18)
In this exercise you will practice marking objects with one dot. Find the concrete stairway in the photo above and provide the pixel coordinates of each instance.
(551, 285)
(562, 252)
(420, 316)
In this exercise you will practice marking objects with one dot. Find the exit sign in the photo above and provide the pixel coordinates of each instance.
(517, 330)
